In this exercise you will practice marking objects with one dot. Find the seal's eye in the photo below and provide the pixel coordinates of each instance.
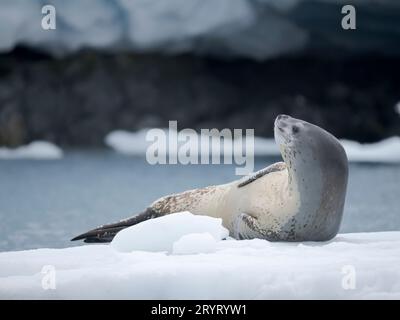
(295, 129)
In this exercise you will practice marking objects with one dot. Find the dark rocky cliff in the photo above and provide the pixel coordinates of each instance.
(77, 100)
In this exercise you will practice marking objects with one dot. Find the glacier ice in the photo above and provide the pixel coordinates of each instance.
(257, 29)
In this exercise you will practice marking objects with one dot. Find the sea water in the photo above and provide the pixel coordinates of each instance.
(46, 203)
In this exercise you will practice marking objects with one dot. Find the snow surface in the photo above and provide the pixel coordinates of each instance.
(351, 266)
(39, 150)
(161, 233)
(257, 29)
(134, 143)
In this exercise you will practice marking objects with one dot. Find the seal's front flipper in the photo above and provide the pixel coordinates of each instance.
(279, 166)
(107, 232)
(246, 227)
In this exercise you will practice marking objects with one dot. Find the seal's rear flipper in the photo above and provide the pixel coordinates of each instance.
(107, 232)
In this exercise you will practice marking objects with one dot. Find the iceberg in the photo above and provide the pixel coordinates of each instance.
(38, 150)
(129, 143)
(135, 143)
(385, 151)
(397, 108)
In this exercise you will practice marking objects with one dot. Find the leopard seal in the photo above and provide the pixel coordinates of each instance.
(300, 199)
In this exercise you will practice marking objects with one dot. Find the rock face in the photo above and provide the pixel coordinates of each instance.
(231, 67)
(77, 100)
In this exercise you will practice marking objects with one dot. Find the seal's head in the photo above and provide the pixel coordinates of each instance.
(289, 130)
(318, 169)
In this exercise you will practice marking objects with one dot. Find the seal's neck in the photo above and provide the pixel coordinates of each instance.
(304, 177)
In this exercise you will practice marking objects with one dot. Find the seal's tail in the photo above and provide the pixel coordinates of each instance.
(107, 232)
